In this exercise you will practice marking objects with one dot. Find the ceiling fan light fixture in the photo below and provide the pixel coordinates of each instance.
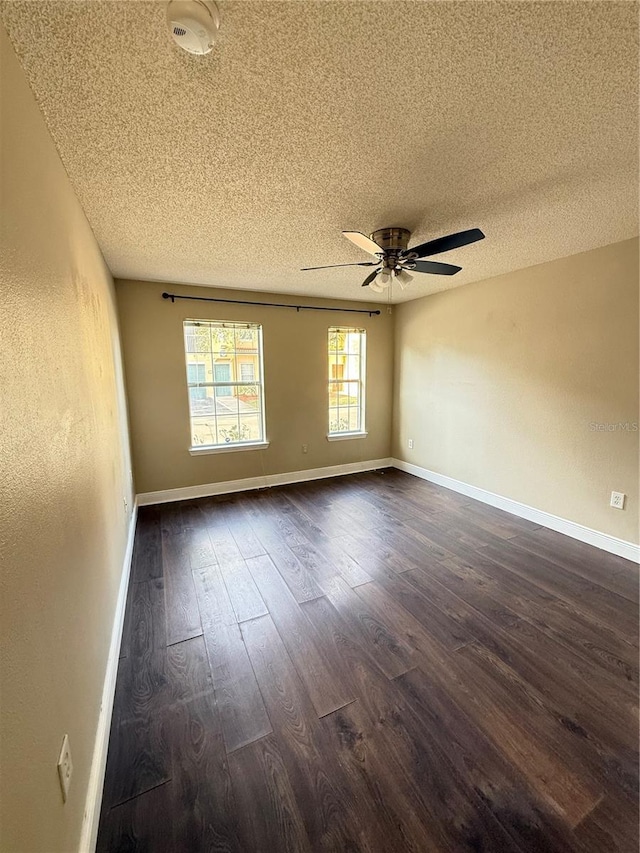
(403, 278)
(384, 278)
(376, 287)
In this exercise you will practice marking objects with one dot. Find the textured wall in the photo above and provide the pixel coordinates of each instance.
(65, 472)
(499, 382)
(295, 354)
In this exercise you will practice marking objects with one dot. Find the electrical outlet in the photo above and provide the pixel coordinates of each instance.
(410, 444)
(305, 448)
(65, 768)
(617, 500)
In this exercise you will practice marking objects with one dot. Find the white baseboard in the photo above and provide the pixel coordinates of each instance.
(93, 801)
(208, 489)
(604, 541)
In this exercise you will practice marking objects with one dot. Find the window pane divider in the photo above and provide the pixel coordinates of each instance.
(222, 384)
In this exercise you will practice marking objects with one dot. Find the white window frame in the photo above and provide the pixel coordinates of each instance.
(230, 446)
(341, 435)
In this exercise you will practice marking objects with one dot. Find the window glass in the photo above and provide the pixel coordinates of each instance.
(225, 383)
(346, 355)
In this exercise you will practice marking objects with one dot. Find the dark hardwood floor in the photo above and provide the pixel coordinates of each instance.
(371, 663)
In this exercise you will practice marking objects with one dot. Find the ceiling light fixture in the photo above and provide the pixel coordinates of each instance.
(384, 277)
(403, 278)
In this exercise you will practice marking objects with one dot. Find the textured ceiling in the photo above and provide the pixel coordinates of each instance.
(238, 168)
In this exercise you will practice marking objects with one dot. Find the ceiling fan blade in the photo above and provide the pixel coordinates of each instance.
(330, 266)
(370, 278)
(445, 244)
(363, 242)
(434, 267)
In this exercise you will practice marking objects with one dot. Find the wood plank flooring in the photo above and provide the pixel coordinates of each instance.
(371, 663)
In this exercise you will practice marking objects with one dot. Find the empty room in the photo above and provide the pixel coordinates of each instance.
(319, 390)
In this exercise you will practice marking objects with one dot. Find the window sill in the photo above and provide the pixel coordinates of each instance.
(342, 436)
(228, 448)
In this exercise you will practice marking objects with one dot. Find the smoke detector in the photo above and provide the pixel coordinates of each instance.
(193, 24)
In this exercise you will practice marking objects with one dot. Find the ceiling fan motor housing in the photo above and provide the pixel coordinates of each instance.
(392, 239)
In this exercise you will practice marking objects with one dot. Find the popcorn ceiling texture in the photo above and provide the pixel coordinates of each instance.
(236, 169)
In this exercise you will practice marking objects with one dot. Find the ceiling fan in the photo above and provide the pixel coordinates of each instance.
(394, 258)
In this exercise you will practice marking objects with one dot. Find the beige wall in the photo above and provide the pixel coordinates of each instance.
(295, 356)
(65, 472)
(498, 383)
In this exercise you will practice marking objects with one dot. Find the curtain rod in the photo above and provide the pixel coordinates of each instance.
(174, 296)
